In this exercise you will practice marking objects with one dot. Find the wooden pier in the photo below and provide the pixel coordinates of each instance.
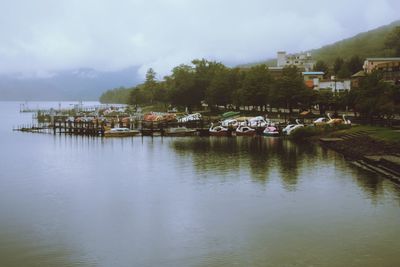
(97, 127)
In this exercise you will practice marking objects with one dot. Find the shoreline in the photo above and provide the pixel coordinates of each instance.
(361, 149)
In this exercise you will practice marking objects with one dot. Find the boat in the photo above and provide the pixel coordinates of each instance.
(256, 122)
(218, 130)
(290, 128)
(190, 117)
(345, 121)
(120, 132)
(334, 121)
(320, 121)
(179, 131)
(271, 131)
(230, 123)
(230, 114)
(245, 131)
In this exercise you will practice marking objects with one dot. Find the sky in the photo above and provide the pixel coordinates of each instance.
(39, 37)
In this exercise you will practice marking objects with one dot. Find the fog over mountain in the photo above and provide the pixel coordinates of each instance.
(79, 84)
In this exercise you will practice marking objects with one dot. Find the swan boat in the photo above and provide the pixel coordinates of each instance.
(218, 130)
(271, 131)
(289, 129)
(245, 131)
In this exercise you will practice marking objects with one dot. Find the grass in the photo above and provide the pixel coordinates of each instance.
(375, 132)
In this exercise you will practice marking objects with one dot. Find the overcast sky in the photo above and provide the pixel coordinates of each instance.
(42, 36)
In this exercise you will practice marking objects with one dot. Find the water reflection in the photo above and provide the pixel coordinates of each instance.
(258, 156)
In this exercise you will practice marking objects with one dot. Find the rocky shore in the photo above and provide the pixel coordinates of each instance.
(367, 152)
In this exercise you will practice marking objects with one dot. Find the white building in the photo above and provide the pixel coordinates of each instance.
(332, 85)
(303, 61)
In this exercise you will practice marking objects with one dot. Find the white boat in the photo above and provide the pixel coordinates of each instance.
(255, 122)
(179, 131)
(245, 131)
(120, 132)
(290, 128)
(320, 121)
(230, 123)
(218, 130)
(271, 131)
(190, 117)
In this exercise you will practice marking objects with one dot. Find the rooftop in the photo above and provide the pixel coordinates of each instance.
(313, 73)
(361, 73)
(383, 58)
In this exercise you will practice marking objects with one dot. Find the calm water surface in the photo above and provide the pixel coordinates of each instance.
(77, 201)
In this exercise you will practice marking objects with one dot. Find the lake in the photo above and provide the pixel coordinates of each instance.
(195, 201)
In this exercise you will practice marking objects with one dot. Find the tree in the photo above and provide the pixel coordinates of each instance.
(392, 41)
(321, 66)
(150, 85)
(256, 86)
(290, 90)
(223, 85)
(138, 96)
(323, 100)
(377, 98)
(355, 64)
(205, 71)
(181, 87)
(337, 65)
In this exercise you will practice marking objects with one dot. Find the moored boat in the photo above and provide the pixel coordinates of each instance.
(245, 131)
(271, 131)
(218, 130)
(179, 131)
(120, 132)
(290, 128)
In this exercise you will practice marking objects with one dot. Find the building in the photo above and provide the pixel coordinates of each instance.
(356, 78)
(315, 80)
(303, 61)
(335, 86)
(382, 63)
(389, 66)
(311, 78)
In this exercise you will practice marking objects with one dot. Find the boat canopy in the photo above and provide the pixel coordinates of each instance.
(230, 114)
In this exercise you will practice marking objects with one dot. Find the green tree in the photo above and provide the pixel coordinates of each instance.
(256, 86)
(290, 91)
(337, 65)
(377, 98)
(205, 71)
(182, 87)
(322, 66)
(392, 41)
(323, 100)
(224, 83)
(355, 64)
(150, 85)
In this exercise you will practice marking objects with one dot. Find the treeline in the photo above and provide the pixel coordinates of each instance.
(119, 95)
(341, 68)
(213, 84)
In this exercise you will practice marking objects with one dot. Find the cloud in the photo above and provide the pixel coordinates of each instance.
(43, 36)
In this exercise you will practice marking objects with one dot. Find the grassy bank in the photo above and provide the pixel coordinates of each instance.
(383, 134)
(359, 141)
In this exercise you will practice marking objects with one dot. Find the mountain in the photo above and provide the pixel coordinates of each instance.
(78, 84)
(366, 44)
